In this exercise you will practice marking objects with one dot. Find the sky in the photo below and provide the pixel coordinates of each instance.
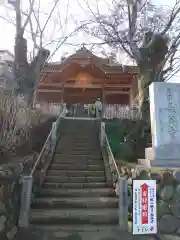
(67, 15)
(70, 12)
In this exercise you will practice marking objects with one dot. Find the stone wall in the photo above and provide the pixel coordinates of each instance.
(168, 196)
(10, 194)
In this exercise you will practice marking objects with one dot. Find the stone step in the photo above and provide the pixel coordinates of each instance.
(74, 185)
(81, 144)
(78, 161)
(77, 157)
(79, 135)
(78, 149)
(77, 143)
(76, 137)
(75, 228)
(79, 153)
(83, 192)
(77, 167)
(81, 156)
(89, 232)
(74, 143)
(81, 124)
(75, 173)
(80, 130)
(65, 179)
(73, 139)
(83, 153)
(83, 150)
(74, 216)
(75, 202)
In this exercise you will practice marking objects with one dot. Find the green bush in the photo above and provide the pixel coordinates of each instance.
(116, 131)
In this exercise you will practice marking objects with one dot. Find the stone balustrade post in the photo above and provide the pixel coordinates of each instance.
(123, 204)
(102, 133)
(53, 136)
(54, 132)
(26, 196)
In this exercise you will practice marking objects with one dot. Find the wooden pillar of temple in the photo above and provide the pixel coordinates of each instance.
(62, 93)
(103, 95)
(131, 98)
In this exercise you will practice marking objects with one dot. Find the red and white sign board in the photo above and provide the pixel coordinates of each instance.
(144, 207)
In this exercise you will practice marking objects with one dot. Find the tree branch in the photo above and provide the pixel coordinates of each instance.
(28, 16)
(173, 16)
(132, 19)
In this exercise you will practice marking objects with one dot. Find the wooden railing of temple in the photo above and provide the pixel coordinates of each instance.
(120, 112)
(111, 111)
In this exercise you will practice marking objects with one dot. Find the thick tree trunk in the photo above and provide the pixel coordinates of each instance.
(143, 84)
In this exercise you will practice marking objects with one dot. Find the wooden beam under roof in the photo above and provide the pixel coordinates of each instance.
(108, 92)
(50, 90)
(80, 85)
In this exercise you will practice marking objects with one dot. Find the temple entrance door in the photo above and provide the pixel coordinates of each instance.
(81, 97)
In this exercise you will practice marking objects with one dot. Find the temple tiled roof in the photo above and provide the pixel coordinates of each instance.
(103, 63)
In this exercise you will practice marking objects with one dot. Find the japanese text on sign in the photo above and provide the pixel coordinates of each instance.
(172, 118)
(144, 197)
(144, 207)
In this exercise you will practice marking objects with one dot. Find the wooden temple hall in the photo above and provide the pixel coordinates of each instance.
(83, 77)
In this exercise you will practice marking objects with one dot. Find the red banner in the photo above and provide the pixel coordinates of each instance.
(144, 197)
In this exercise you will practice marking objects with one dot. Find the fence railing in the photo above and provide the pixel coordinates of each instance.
(120, 112)
(110, 111)
(32, 183)
(119, 183)
(52, 109)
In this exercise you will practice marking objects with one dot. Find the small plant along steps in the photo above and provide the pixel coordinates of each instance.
(75, 197)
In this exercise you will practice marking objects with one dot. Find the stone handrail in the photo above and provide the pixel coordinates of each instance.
(112, 163)
(119, 183)
(113, 166)
(49, 138)
(32, 183)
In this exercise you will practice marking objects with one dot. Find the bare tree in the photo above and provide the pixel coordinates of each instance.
(147, 34)
(39, 27)
(37, 30)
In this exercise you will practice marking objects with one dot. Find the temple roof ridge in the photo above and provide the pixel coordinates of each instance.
(83, 52)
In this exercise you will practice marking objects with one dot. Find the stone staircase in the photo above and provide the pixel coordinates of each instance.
(75, 197)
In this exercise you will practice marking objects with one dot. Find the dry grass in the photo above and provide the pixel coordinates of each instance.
(16, 121)
(13, 130)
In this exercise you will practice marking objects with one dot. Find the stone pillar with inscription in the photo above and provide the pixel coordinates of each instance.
(165, 125)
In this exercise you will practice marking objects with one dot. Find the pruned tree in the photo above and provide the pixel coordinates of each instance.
(147, 34)
(32, 25)
(25, 72)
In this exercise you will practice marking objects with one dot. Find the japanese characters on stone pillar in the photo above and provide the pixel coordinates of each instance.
(165, 125)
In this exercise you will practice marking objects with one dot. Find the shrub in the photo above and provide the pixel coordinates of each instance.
(14, 128)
